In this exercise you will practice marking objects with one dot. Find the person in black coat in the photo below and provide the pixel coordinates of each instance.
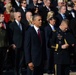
(49, 29)
(33, 7)
(16, 4)
(2, 9)
(34, 47)
(23, 11)
(16, 36)
(44, 10)
(70, 13)
(61, 15)
(60, 43)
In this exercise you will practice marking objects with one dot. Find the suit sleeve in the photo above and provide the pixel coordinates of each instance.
(47, 37)
(52, 41)
(11, 30)
(27, 46)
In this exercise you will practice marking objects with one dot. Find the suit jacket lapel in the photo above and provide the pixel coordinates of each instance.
(35, 34)
(17, 26)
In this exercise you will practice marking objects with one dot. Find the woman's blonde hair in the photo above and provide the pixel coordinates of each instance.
(8, 6)
(49, 15)
(31, 20)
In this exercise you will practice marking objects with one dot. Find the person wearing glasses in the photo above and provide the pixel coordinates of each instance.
(23, 11)
(16, 41)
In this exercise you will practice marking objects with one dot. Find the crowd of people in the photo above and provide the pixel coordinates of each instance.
(38, 35)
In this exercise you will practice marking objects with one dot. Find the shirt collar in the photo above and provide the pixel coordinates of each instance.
(17, 22)
(23, 9)
(52, 26)
(62, 14)
(17, 2)
(36, 28)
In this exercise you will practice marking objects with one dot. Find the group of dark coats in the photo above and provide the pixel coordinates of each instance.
(19, 37)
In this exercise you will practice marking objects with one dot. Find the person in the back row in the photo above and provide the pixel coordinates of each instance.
(34, 47)
(61, 15)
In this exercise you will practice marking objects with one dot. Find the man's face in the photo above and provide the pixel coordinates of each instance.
(8, 1)
(60, 4)
(29, 15)
(24, 4)
(2, 17)
(65, 27)
(38, 21)
(18, 17)
(35, 1)
(63, 9)
(52, 22)
(48, 3)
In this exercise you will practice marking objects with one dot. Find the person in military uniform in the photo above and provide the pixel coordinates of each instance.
(60, 43)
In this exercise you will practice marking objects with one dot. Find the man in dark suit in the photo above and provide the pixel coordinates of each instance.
(16, 4)
(23, 11)
(44, 10)
(49, 29)
(70, 13)
(2, 9)
(33, 7)
(16, 41)
(60, 43)
(61, 15)
(34, 47)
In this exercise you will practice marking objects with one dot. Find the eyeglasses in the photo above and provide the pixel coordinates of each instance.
(19, 16)
(24, 3)
(10, 6)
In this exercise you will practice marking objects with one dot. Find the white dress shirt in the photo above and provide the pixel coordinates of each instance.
(53, 29)
(23, 9)
(19, 24)
(36, 28)
(17, 3)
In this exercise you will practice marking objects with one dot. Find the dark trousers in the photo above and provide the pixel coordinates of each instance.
(3, 56)
(61, 69)
(38, 70)
(50, 62)
(18, 61)
(11, 59)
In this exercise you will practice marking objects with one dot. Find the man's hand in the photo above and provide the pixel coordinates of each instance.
(64, 46)
(13, 46)
(31, 66)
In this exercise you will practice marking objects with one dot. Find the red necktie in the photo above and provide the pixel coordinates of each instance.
(39, 35)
